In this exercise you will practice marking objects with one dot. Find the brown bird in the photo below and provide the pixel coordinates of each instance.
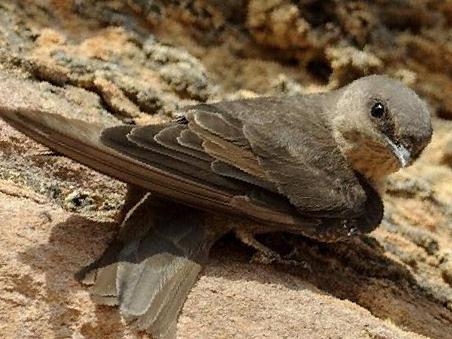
(311, 165)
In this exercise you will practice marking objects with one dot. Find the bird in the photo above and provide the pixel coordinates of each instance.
(310, 164)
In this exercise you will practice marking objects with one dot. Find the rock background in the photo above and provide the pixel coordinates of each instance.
(140, 61)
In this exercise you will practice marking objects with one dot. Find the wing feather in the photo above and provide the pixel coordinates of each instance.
(229, 171)
(219, 126)
(170, 161)
(286, 143)
(228, 156)
(191, 140)
(228, 152)
(166, 135)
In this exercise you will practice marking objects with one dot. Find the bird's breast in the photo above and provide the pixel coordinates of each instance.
(372, 160)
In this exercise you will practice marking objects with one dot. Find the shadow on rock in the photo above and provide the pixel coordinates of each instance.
(358, 271)
(71, 245)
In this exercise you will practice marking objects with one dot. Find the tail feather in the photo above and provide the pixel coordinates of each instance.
(153, 264)
(104, 291)
(152, 292)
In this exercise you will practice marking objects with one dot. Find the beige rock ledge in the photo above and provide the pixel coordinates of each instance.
(42, 247)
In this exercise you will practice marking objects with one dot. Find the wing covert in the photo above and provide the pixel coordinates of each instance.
(283, 145)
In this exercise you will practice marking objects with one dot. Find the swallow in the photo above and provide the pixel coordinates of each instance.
(306, 164)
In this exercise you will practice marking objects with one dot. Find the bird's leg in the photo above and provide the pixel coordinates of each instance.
(264, 255)
(133, 196)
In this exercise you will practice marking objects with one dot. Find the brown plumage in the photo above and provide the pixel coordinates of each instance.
(301, 164)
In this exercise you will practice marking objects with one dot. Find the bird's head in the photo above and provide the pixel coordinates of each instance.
(380, 125)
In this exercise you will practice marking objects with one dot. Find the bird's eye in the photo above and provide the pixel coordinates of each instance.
(378, 110)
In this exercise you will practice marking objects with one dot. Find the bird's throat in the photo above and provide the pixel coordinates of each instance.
(371, 159)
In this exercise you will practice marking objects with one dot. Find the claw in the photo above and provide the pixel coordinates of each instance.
(266, 256)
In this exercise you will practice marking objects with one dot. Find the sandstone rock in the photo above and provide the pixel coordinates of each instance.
(141, 61)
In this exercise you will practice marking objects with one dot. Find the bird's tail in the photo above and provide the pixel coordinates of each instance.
(151, 267)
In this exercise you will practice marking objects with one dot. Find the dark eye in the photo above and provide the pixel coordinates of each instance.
(378, 110)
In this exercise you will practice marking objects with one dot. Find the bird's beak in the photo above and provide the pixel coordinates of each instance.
(401, 153)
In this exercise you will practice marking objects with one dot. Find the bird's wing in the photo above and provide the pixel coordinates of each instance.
(232, 153)
(281, 145)
(272, 159)
(150, 157)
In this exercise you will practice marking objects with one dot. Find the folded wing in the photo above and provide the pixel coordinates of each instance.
(265, 158)
(123, 153)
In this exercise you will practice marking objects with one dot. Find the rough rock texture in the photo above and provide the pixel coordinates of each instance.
(140, 61)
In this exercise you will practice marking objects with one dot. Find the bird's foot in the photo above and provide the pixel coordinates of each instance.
(265, 255)
(273, 258)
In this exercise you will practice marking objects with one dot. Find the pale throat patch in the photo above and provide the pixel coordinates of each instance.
(369, 158)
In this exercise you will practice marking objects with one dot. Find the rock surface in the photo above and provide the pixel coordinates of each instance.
(141, 61)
